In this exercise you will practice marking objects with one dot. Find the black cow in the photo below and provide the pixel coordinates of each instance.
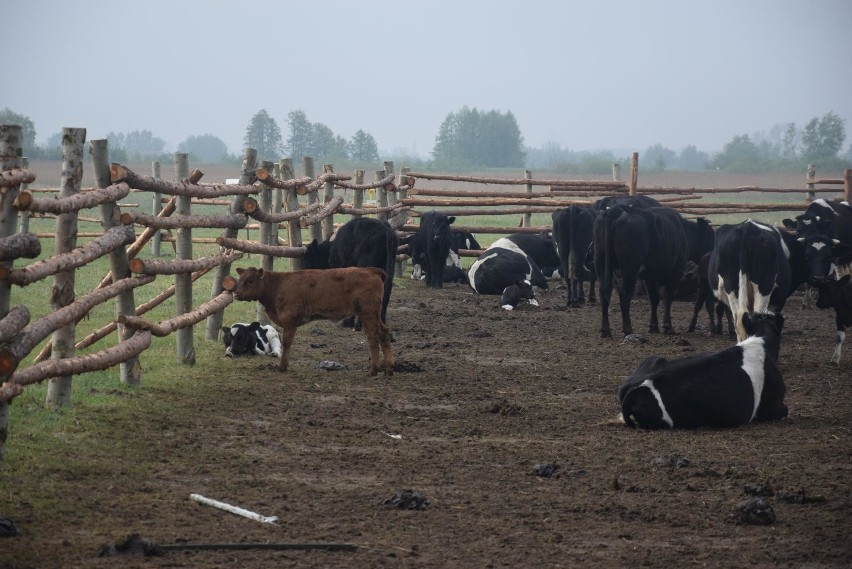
(251, 339)
(538, 247)
(728, 388)
(641, 243)
(360, 242)
(573, 233)
(755, 268)
(832, 218)
(643, 202)
(826, 258)
(464, 239)
(837, 294)
(505, 265)
(430, 247)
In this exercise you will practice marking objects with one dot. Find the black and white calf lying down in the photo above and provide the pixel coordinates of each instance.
(735, 386)
(505, 269)
(251, 339)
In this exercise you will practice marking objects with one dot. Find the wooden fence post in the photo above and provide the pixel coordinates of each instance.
(291, 203)
(158, 207)
(382, 196)
(277, 203)
(266, 235)
(328, 195)
(616, 172)
(214, 321)
(11, 150)
(402, 194)
(130, 371)
(634, 174)
(358, 195)
(308, 167)
(811, 195)
(527, 221)
(24, 216)
(847, 185)
(183, 281)
(391, 198)
(62, 293)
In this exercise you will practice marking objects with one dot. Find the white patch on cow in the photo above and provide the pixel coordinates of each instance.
(771, 230)
(823, 203)
(274, 341)
(533, 301)
(471, 273)
(509, 245)
(507, 307)
(818, 245)
(845, 203)
(840, 271)
(806, 221)
(754, 354)
(416, 272)
(838, 346)
(453, 259)
(649, 384)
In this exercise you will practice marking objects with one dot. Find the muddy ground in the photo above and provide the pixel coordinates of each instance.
(498, 394)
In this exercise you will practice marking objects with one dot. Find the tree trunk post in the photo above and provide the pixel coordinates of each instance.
(634, 174)
(266, 236)
(328, 195)
(214, 321)
(277, 202)
(402, 194)
(130, 372)
(24, 220)
(291, 202)
(527, 222)
(847, 185)
(11, 155)
(382, 196)
(183, 281)
(156, 209)
(811, 195)
(308, 167)
(62, 293)
(390, 198)
(358, 195)
(616, 172)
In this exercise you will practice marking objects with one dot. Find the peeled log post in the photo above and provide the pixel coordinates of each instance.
(328, 221)
(329, 208)
(358, 193)
(19, 245)
(634, 174)
(291, 205)
(82, 364)
(308, 167)
(266, 234)
(182, 322)
(847, 185)
(111, 239)
(33, 334)
(255, 212)
(156, 208)
(229, 221)
(154, 267)
(76, 202)
(382, 197)
(185, 343)
(214, 322)
(122, 173)
(252, 247)
(15, 177)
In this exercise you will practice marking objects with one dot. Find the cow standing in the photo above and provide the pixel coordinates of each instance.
(754, 268)
(837, 294)
(732, 387)
(293, 299)
(573, 233)
(641, 243)
(430, 247)
(360, 242)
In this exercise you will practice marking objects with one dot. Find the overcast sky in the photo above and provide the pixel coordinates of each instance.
(618, 74)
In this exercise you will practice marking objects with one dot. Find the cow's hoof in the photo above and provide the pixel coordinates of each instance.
(690, 329)
(606, 334)
(669, 332)
(574, 304)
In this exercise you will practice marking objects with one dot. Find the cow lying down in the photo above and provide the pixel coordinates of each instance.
(293, 299)
(729, 388)
(251, 339)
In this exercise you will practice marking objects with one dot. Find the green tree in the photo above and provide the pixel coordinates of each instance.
(135, 145)
(263, 134)
(363, 147)
(325, 144)
(691, 158)
(790, 143)
(823, 138)
(739, 155)
(205, 148)
(660, 156)
(473, 138)
(8, 116)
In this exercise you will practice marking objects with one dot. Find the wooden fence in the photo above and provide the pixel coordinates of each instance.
(266, 193)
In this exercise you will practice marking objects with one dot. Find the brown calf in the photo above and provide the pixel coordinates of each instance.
(293, 299)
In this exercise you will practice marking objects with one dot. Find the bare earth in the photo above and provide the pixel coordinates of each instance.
(499, 393)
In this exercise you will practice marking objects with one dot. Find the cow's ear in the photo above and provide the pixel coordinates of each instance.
(240, 271)
(779, 321)
(747, 322)
(260, 273)
(789, 223)
(451, 219)
(225, 328)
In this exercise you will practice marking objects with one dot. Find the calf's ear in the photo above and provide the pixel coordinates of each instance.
(451, 219)
(240, 271)
(747, 322)
(788, 223)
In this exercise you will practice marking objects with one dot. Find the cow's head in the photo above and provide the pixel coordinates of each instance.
(250, 285)
(808, 224)
(240, 340)
(830, 292)
(821, 255)
(440, 229)
(768, 326)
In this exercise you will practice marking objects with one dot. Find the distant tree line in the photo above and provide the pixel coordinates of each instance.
(470, 138)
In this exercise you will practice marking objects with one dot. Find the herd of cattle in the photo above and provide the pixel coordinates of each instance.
(745, 271)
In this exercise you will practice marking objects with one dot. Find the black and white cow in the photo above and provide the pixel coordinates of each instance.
(504, 265)
(573, 233)
(464, 239)
(641, 243)
(732, 387)
(539, 247)
(251, 339)
(360, 242)
(755, 268)
(829, 217)
(837, 294)
(430, 246)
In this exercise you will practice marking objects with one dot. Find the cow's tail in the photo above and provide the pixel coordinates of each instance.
(571, 270)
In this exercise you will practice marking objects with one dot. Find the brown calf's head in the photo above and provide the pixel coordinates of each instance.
(250, 285)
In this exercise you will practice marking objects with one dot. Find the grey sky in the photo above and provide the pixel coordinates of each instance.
(621, 74)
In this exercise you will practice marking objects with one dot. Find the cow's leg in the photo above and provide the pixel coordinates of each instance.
(652, 288)
(696, 309)
(625, 295)
(668, 299)
(573, 294)
(591, 290)
(605, 298)
(287, 335)
(838, 341)
(385, 338)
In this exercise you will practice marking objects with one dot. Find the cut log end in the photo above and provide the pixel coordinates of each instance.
(410, 180)
(195, 176)
(126, 218)
(137, 265)
(390, 187)
(23, 201)
(250, 205)
(8, 362)
(118, 172)
(5, 272)
(229, 283)
(302, 190)
(261, 174)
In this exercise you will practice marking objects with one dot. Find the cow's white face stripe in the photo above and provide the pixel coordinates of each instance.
(818, 245)
(754, 355)
(649, 384)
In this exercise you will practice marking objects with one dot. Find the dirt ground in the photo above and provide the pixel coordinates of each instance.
(490, 396)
